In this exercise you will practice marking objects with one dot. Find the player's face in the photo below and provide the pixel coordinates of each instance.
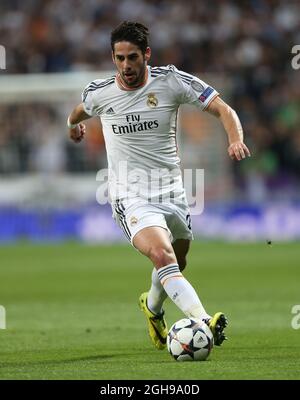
(130, 62)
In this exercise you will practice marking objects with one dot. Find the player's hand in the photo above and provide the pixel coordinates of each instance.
(238, 150)
(77, 133)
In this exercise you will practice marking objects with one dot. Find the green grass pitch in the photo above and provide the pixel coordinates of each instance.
(72, 312)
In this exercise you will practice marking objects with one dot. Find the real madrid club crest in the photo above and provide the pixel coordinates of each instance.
(152, 100)
(133, 221)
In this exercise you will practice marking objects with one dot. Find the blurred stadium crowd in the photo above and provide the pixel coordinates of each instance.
(248, 42)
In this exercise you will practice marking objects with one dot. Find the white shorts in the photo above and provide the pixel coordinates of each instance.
(135, 216)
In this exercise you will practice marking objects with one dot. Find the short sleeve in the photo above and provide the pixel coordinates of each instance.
(87, 98)
(193, 90)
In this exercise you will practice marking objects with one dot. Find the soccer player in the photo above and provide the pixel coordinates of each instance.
(138, 110)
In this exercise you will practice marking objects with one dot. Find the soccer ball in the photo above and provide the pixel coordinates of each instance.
(190, 339)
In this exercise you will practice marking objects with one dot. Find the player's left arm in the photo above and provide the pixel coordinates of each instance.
(237, 149)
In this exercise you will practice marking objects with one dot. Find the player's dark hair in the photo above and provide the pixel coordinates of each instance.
(132, 32)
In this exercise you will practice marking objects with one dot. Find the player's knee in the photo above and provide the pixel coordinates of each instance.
(162, 256)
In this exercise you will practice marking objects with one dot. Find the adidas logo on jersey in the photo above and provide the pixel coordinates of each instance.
(110, 111)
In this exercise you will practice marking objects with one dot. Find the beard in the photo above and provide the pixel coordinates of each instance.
(133, 78)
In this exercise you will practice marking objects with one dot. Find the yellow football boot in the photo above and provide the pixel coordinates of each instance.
(217, 324)
(157, 325)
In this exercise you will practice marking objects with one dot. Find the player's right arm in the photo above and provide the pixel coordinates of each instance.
(86, 109)
(83, 111)
(76, 128)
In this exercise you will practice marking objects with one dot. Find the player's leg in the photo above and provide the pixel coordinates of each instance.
(157, 295)
(151, 302)
(218, 322)
(162, 254)
(154, 242)
(181, 248)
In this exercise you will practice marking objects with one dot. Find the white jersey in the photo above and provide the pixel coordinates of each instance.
(139, 128)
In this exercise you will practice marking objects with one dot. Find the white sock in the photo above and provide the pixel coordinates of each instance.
(181, 292)
(156, 295)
